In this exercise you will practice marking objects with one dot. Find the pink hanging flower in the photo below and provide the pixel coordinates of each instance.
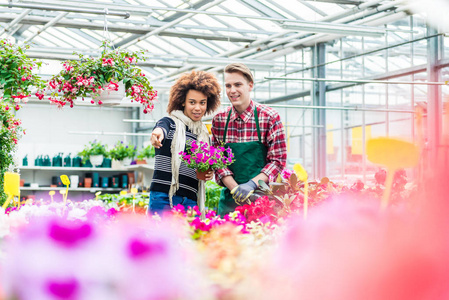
(113, 86)
(108, 62)
(130, 60)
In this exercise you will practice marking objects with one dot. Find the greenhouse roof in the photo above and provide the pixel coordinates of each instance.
(181, 35)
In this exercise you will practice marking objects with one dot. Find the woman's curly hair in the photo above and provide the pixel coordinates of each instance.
(201, 81)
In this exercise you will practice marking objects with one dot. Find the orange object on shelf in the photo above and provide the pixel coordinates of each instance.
(87, 182)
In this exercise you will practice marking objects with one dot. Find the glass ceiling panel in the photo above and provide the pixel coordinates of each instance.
(328, 8)
(228, 33)
(284, 12)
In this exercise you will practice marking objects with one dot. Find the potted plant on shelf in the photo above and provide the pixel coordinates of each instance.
(123, 153)
(16, 75)
(203, 157)
(146, 154)
(95, 152)
(112, 71)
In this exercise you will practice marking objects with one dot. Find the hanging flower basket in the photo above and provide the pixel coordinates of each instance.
(17, 80)
(93, 77)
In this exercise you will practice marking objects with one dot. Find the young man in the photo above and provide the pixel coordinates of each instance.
(256, 136)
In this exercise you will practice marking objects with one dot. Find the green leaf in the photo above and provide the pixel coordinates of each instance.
(293, 180)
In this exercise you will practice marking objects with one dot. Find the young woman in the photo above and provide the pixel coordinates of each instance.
(191, 97)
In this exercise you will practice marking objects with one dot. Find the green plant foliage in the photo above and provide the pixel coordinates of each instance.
(93, 148)
(146, 152)
(16, 73)
(89, 76)
(213, 191)
(10, 133)
(122, 151)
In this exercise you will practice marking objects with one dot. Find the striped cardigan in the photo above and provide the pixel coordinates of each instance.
(188, 183)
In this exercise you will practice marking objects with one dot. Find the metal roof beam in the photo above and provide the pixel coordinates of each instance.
(289, 11)
(46, 26)
(225, 54)
(85, 36)
(261, 8)
(68, 9)
(128, 29)
(200, 46)
(89, 4)
(312, 7)
(181, 14)
(242, 18)
(15, 21)
(166, 26)
(290, 42)
(64, 57)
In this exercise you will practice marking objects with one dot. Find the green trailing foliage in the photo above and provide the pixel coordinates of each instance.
(10, 133)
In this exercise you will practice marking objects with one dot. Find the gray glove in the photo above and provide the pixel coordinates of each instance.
(242, 192)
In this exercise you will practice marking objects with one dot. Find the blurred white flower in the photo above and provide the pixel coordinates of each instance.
(435, 12)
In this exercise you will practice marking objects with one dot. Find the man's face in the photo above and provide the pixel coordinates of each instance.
(238, 90)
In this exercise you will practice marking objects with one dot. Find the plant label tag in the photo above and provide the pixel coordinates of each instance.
(65, 180)
(12, 184)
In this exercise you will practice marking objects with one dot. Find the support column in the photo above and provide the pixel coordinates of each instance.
(434, 99)
(319, 115)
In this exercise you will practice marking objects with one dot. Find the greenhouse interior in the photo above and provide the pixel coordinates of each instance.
(111, 109)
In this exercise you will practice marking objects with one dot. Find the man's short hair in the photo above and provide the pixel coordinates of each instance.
(242, 68)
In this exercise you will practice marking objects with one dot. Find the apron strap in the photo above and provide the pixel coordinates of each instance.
(257, 124)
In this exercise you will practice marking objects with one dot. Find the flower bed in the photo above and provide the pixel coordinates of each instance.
(347, 248)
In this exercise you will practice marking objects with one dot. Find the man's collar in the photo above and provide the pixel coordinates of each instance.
(246, 115)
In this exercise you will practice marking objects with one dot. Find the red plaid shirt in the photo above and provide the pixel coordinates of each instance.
(242, 128)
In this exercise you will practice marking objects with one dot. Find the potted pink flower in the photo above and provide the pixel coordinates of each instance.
(203, 157)
(100, 77)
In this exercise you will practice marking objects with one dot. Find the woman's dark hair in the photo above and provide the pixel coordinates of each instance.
(201, 81)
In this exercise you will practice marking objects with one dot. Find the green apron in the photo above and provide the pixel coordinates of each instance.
(250, 159)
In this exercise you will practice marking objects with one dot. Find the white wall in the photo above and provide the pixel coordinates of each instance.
(47, 128)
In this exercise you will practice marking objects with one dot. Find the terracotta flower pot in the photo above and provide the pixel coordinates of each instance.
(202, 175)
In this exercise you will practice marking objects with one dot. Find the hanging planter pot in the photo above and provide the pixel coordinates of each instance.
(96, 160)
(111, 97)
